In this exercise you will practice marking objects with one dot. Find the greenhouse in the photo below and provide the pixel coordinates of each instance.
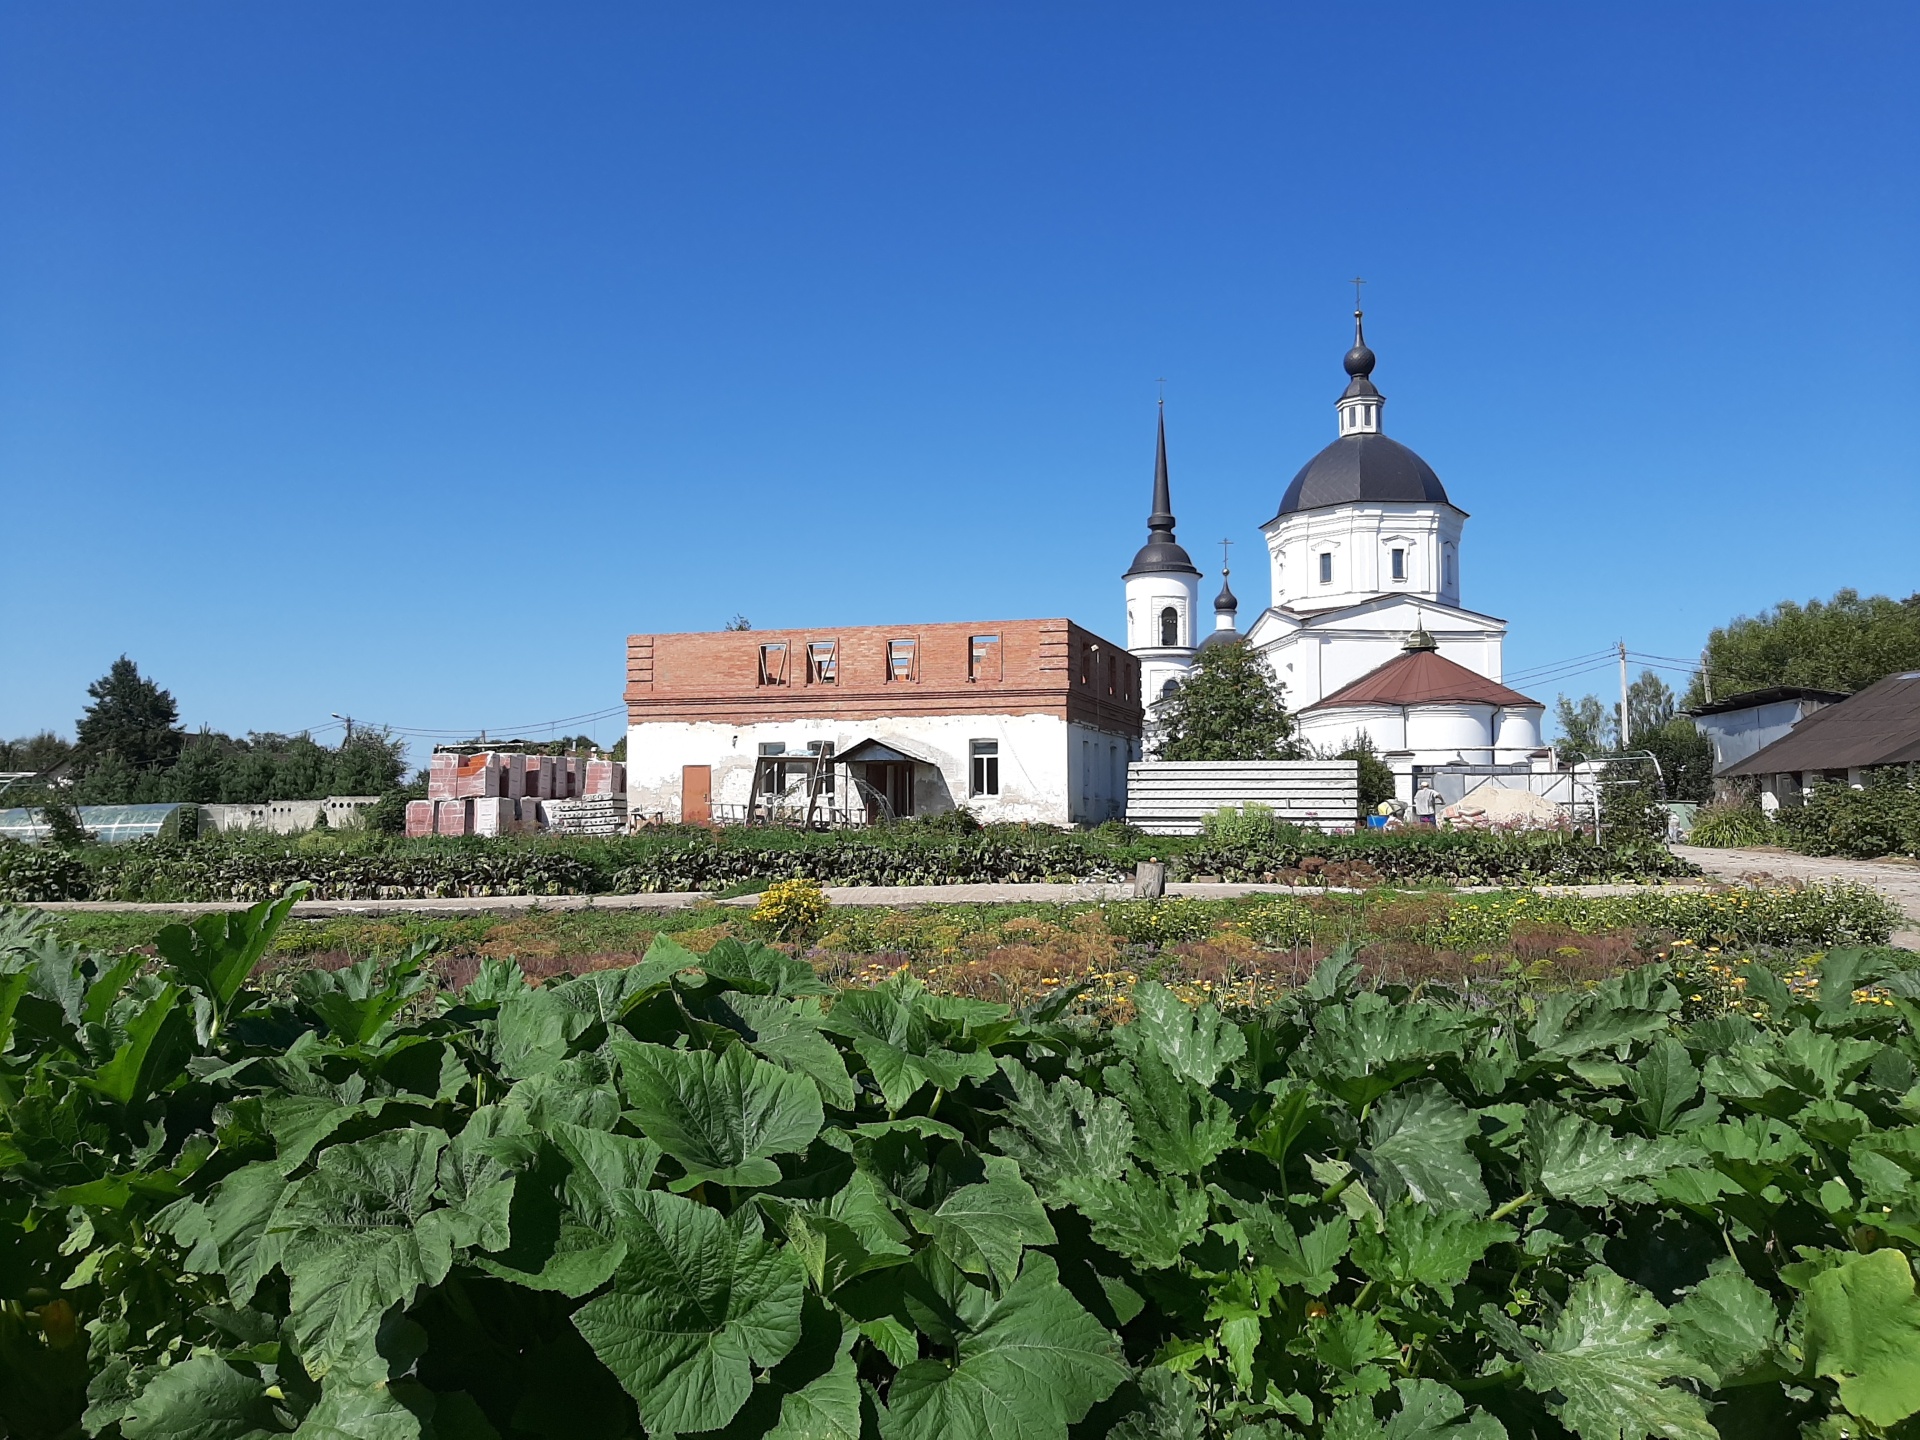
(109, 824)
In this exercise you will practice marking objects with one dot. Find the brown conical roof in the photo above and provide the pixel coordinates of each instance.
(1422, 677)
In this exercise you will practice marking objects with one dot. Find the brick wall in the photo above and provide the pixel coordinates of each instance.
(744, 677)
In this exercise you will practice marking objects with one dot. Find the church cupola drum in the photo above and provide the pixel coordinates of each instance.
(1163, 590)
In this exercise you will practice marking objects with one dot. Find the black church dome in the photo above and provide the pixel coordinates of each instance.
(1359, 468)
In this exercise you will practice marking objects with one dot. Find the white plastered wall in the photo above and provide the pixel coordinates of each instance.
(1361, 540)
(1051, 772)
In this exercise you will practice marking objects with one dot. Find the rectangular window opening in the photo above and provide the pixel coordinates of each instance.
(824, 749)
(900, 659)
(823, 662)
(1399, 564)
(983, 657)
(773, 778)
(985, 755)
(1326, 568)
(773, 664)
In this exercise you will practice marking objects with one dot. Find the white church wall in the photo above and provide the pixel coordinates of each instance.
(1359, 541)
(1049, 771)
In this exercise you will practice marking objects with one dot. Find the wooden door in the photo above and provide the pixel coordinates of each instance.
(696, 794)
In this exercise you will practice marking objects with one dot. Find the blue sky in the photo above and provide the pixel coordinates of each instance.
(398, 361)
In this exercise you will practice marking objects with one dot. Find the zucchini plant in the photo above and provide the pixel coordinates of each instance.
(709, 1195)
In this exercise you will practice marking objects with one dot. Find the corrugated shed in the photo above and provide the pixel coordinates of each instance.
(1879, 726)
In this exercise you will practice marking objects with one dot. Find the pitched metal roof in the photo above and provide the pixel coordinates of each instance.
(1421, 677)
(1879, 726)
(1773, 694)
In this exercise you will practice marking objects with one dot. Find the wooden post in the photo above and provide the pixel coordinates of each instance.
(1149, 880)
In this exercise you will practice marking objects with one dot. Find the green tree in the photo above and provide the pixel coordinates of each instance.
(1685, 756)
(1587, 729)
(1228, 708)
(1376, 776)
(1650, 704)
(1845, 643)
(130, 717)
(38, 753)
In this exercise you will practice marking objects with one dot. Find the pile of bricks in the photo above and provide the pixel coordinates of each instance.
(492, 792)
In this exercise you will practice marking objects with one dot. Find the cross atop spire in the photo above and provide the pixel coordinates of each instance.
(1360, 406)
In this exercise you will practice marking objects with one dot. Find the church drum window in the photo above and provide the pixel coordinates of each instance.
(1399, 563)
(773, 664)
(1326, 567)
(985, 758)
(1169, 626)
(900, 659)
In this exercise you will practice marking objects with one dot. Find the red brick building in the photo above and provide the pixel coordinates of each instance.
(1013, 719)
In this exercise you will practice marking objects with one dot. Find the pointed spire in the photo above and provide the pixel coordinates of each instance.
(1419, 639)
(1162, 516)
(1162, 552)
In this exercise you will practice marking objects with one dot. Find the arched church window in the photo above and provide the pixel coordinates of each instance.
(1449, 559)
(1169, 626)
(1168, 688)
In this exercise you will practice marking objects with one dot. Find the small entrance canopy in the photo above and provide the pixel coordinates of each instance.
(883, 751)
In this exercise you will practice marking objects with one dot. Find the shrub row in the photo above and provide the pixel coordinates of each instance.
(1883, 818)
(358, 866)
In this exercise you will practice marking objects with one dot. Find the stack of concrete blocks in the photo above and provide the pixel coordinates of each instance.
(505, 793)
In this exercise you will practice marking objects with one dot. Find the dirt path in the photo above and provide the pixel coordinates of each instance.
(1898, 880)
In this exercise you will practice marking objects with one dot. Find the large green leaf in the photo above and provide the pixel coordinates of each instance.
(1306, 1259)
(1420, 1245)
(228, 1230)
(1728, 1323)
(1179, 1127)
(204, 1397)
(1034, 1363)
(699, 1301)
(1192, 1041)
(149, 1045)
(1665, 1082)
(1577, 1160)
(1417, 1146)
(367, 1411)
(361, 1236)
(889, 1027)
(1148, 1220)
(787, 1032)
(1863, 1329)
(1427, 1410)
(1361, 1049)
(1061, 1133)
(721, 1116)
(1605, 1364)
(216, 953)
(983, 1228)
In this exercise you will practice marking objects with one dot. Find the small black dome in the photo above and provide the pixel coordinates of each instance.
(1363, 467)
(1360, 360)
(1226, 600)
(1159, 556)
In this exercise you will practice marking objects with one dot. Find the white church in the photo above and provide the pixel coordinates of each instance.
(1365, 633)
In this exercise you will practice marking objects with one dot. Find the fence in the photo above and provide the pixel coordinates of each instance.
(1171, 797)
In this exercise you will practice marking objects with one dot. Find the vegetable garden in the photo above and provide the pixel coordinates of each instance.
(350, 865)
(709, 1193)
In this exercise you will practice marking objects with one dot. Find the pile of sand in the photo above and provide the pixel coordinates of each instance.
(1497, 805)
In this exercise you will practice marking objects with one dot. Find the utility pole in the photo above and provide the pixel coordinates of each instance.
(1626, 733)
(348, 720)
(1706, 677)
